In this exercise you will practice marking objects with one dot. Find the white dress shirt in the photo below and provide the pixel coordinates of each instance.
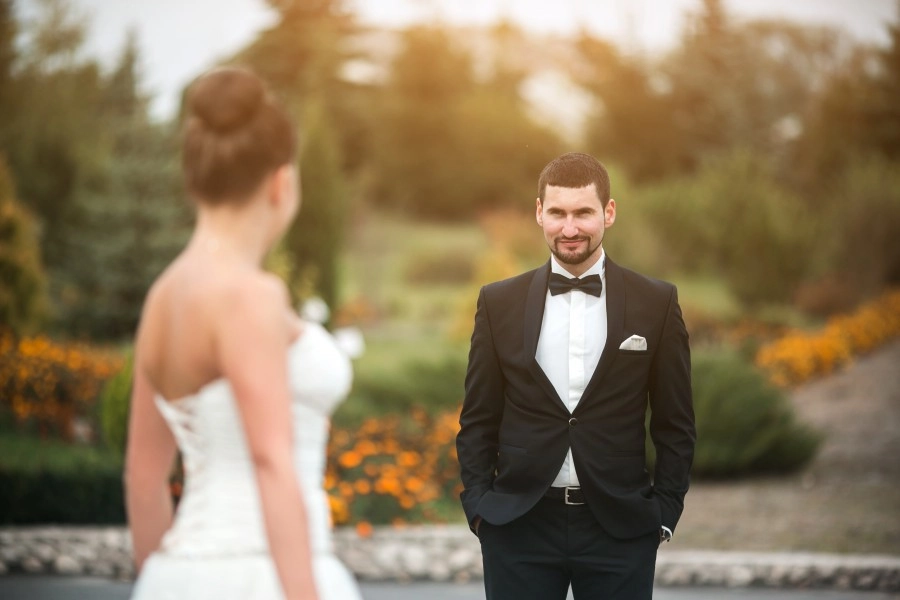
(573, 334)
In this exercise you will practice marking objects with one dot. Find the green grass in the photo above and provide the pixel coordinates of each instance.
(380, 251)
(706, 295)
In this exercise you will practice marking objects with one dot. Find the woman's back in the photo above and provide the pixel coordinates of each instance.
(211, 367)
(185, 312)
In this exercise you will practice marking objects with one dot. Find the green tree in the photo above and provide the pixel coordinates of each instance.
(51, 134)
(727, 84)
(316, 236)
(735, 220)
(22, 282)
(449, 144)
(301, 58)
(129, 220)
(633, 123)
(884, 114)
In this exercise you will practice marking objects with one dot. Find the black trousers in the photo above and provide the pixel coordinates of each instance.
(537, 557)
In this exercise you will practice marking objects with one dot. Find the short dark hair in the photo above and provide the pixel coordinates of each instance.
(235, 133)
(575, 170)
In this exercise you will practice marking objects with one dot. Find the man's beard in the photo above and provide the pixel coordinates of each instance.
(574, 258)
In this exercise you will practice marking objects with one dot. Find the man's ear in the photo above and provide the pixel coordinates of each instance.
(539, 213)
(609, 213)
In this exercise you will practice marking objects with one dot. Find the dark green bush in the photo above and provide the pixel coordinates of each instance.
(744, 424)
(52, 482)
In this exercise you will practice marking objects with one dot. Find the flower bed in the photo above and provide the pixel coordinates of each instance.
(47, 385)
(799, 355)
(394, 470)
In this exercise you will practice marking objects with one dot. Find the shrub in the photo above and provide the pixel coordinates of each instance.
(114, 404)
(733, 219)
(52, 482)
(744, 424)
(860, 225)
(47, 385)
(432, 386)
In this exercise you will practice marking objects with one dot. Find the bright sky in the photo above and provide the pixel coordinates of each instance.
(180, 38)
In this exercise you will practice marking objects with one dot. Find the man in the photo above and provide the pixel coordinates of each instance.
(564, 362)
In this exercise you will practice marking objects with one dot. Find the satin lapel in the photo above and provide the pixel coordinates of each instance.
(615, 326)
(534, 316)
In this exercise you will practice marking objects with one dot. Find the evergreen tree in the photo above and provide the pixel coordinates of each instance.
(130, 220)
(449, 144)
(300, 57)
(52, 137)
(316, 237)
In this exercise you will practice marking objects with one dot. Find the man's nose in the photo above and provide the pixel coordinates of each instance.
(569, 229)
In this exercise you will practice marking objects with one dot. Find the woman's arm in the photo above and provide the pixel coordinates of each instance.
(252, 351)
(148, 462)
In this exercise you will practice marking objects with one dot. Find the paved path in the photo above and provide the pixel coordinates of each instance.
(81, 588)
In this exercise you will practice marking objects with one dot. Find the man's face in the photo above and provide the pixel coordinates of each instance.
(574, 221)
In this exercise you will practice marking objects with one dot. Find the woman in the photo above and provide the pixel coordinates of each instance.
(225, 372)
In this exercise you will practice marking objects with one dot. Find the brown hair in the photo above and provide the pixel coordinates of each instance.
(235, 134)
(575, 170)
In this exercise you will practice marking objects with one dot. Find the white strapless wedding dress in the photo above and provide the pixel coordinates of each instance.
(216, 548)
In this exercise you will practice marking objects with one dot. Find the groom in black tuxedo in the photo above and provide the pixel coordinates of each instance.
(564, 362)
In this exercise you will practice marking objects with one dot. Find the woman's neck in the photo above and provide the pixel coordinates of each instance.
(231, 233)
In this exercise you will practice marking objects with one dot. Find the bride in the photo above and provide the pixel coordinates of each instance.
(226, 373)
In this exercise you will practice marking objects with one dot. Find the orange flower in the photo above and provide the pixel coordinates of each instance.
(364, 529)
(366, 448)
(414, 484)
(408, 459)
(350, 459)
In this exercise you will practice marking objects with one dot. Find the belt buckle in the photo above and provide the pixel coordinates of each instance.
(567, 489)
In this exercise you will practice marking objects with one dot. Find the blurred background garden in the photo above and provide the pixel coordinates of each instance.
(755, 163)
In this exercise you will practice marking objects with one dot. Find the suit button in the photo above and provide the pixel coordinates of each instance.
(573, 421)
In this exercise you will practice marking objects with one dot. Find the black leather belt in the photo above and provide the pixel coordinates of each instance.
(570, 495)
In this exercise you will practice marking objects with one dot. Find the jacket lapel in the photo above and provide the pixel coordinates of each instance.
(534, 317)
(615, 326)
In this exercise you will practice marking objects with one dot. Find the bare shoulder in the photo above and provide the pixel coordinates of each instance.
(251, 308)
(255, 291)
(152, 308)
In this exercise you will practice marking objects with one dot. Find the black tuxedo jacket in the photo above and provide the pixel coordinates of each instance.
(515, 431)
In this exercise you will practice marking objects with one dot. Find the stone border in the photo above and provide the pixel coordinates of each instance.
(452, 553)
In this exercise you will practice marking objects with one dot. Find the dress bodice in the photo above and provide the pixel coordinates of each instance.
(219, 513)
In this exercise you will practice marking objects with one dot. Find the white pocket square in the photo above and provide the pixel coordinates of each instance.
(635, 343)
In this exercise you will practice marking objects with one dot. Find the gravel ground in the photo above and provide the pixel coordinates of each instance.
(846, 501)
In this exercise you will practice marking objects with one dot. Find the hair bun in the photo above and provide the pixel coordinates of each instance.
(226, 98)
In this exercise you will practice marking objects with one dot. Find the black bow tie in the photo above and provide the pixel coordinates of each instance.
(560, 284)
